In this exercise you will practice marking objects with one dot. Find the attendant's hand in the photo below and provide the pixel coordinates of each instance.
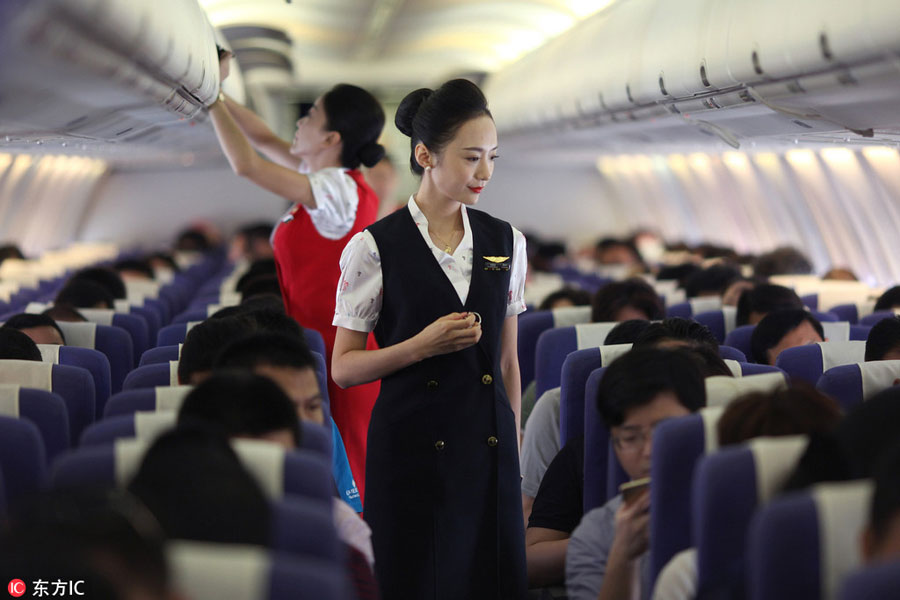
(224, 67)
(633, 527)
(450, 333)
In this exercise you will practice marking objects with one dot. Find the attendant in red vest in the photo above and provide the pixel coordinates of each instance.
(331, 202)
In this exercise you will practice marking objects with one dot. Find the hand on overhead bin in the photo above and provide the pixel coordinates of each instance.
(450, 333)
(224, 64)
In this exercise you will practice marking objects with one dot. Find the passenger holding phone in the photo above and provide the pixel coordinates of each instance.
(607, 553)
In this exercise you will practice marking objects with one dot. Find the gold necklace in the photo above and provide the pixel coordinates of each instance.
(447, 247)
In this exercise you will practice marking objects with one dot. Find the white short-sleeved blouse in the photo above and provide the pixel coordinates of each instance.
(337, 199)
(359, 289)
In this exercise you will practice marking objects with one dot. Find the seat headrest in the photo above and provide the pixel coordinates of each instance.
(171, 397)
(206, 571)
(9, 399)
(734, 366)
(705, 304)
(610, 353)
(710, 416)
(878, 375)
(100, 316)
(842, 511)
(265, 461)
(721, 389)
(82, 335)
(49, 353)
(775, 459)
(149, 425)
(592, 335)
(173, 372)
(729, 313)
(27, 373)
(842, 353)
(568, 316)
(836, 331)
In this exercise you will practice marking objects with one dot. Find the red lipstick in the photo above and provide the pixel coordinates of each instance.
(477, 190)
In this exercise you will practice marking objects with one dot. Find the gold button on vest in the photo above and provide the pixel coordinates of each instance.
(492, 441)
(439, 445)
(487, 379)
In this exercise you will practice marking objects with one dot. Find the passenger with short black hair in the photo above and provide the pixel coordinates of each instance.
(756, 303)
(711, 281)
(204, 342)
(613, 251)
(606, 556)
(16, 345)
(566, 296)
(39, 327)
(626, 332)
(134, 268)
(889, 300)
(65, 313)
(105, 277)
(676, 332)
(881, 539)
(785, 260)
(783, 329)
(883, 342)
(624, 300)
(83, 293)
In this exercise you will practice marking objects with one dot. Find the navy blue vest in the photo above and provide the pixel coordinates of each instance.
(442, 472)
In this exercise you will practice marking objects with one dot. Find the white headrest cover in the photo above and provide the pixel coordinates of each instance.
(204, 571)
(729, 313)
(150, 425)
(835, 354)
(9, 399)
(734, 366)
(49, 353)
(179, 350)
(775, 458)
(81, 335)
(592, 335)
(128, 455)
(171, 397)
(141, 287)
(675, 296)
(100, 316)
(122, 306)
(265, 461)
(878, 375)
(173, 372)
(190, 325)
(229, 298)
(27, 373)
(36, 308)
(212, 308)
(710, 416)
(705, 304)
(843, 510)
(610, 353)
(568, 316)
(836, 331)
(721, 389)
(864, 309)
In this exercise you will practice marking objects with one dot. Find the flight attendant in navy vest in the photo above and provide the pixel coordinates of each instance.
(440, 284)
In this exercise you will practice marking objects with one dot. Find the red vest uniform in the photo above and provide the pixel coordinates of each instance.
(308, 272)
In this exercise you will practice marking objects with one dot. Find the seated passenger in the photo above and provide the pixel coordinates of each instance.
(134, 269)
(162, 261)
(82, 293)
(262, 285)
(756, 303)
(676, 332)
(781, 330)
(881, 538)
(251, 242)
(567, 296)
(64, 313)
(883, 342)
(786, 260)
(204, 342)
(40, 328)
(840, 274)
(607, 553)
(16, 345)
(889, 300)
(712, 281)
(10, 251)
(612, 251)
(105, 277)
(732, 293)
(193, 239)
(625, 300)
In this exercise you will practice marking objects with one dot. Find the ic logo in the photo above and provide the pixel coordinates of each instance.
(16, 588)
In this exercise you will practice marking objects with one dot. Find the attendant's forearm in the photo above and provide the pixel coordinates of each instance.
(355, 367)
(237, 149)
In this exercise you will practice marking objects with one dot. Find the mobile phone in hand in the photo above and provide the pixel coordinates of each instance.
(632, 490)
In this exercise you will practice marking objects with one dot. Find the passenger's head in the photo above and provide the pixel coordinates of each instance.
(194, 483)
(624, 300)
(16, 345)
(65, 313)
(262, 285)
(10, 251)
(781, 330)
(453, 139)
(565, 297)
(162, 261)
(106, 538)
(756, 303)
(712, 281)
(881, 538)
(40, 328)
(256, 240)
(612, 251)
(626, 332)
(258, 268)
(204, 342)
(676, 332)
(889, 300)
(640, 389)
(346, 119)
(883, 342)
(735, 289)
(243, 404)
(708, 360)
(82, 293)
(192, 240)
(134, 268)
(782, 261)
(840, 274)
(104, 277)
(284, 359)
(797, 410)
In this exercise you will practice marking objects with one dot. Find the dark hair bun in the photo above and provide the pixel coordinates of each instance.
(371, 154)
(408, 108)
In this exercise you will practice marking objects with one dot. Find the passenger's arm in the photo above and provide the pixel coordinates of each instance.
(352, 364)
(509, 367)
(244, 161)
(527, 505)
(261, 137)
(629, 543)
(545, 555)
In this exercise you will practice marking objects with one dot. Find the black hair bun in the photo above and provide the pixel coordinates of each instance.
(371, 154)
(408, 108)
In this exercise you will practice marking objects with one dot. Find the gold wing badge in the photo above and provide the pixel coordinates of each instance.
(496, 263)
